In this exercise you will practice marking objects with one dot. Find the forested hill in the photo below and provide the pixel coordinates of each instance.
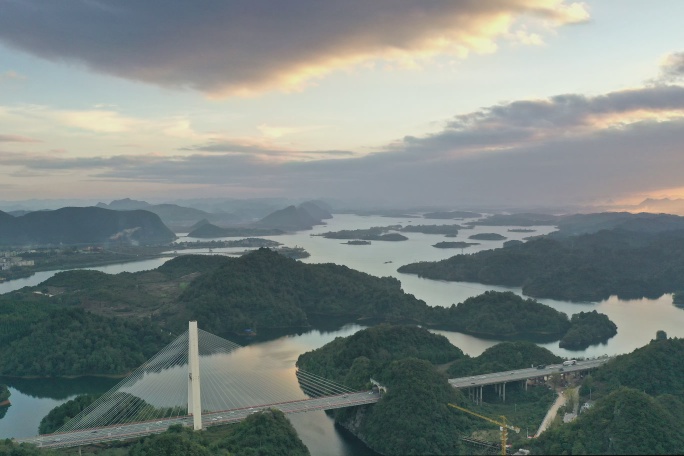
(588, 267)
(352, 360)
(264, 289)
(269, 290)
(84, 225)
(412, 418)
(503, 357)
(638, 406)
(657, 368)
(626, 422)
(43, 338)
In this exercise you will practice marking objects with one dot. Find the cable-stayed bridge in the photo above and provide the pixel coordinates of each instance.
(199, 380)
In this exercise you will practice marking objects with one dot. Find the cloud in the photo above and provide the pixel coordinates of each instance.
(672, 68)
(278, 131)
(227, 47)
(17, 138)
(100, 123)
(11, 75)
(526, 122)
(564, 149)
(264, 150)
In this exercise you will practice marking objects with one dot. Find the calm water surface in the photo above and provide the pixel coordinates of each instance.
(637, 320)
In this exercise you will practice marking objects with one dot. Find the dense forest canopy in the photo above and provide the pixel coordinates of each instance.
(627, 421)
(505, 314)
(60, 415)
(412, 418)
(657, 368)
(587, 328)
(587, 267)
(638, 405)
(352, 360)
(40, 338)
(105, 324)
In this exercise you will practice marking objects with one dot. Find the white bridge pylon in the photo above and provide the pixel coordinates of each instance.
(194, 397)
(201, 380)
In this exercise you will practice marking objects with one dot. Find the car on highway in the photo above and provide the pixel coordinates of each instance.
(541, 366)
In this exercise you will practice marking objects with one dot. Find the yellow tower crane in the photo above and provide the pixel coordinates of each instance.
(502, 425)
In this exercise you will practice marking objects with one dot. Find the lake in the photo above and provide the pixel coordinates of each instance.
(637, 320)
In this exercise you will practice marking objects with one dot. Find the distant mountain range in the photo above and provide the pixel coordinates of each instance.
(569, 225)
(83, 225)
(664, 205)
(178, 218)
(292, 218)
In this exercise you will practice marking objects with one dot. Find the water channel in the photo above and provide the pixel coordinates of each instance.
(637, 320)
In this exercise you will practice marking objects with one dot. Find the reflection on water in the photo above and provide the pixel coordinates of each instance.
(265, 365)
(58, 388)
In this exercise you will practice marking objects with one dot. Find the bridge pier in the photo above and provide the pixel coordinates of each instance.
(500, 388)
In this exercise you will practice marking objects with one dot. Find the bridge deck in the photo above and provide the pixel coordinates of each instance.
(524, 374)
(145, 428)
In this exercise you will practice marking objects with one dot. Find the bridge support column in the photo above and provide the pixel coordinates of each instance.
(194, 398)
(504, 392)
(480, 395)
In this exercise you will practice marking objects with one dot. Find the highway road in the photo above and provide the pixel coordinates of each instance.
(523, 374)
(141, 429)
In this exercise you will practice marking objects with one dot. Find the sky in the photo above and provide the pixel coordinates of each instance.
(460, 103)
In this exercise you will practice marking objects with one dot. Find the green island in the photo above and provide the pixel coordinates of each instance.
(246, 242)
(376, 233)
(487, 237)
(678, 298)
(413, 416)
(505, 315)
(454, 245)
(588, 267)
(264, 433)
(357, 242)
(587, 328)
(108, 324)
(382, 233)
(638, 403)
